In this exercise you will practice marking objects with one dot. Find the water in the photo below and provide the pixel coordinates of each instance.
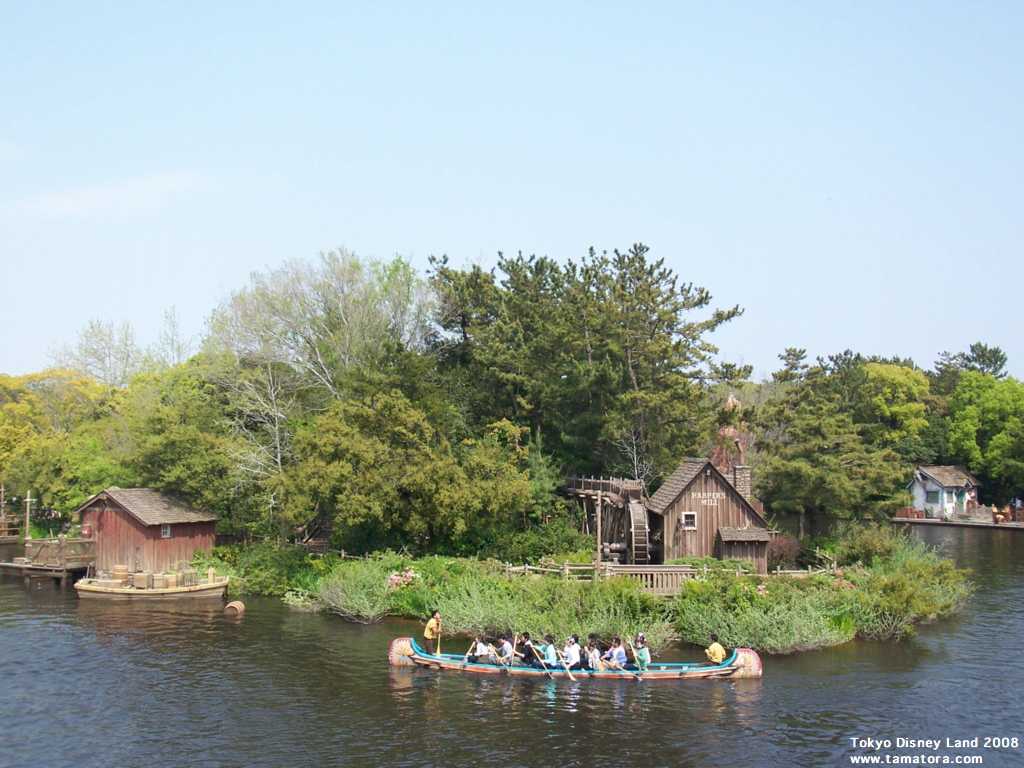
(88, 684)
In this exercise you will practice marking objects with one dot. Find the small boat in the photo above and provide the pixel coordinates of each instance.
(90, 588)
(741, 663)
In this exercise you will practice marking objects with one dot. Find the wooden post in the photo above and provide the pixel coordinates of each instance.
(597, 517)
(28, 508)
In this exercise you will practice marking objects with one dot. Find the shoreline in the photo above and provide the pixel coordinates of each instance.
(958, 523)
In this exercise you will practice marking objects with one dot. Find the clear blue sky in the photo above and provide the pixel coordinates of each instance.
(849, 173)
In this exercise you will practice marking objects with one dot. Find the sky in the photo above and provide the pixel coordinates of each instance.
(849, 174)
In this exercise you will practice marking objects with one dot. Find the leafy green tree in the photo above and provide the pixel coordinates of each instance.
(604, 358)
(894, 410)
(385, 477)
(980, 357)
(985, 418)
(814, 461)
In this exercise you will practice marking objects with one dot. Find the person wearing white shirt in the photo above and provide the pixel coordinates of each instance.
(571, 653)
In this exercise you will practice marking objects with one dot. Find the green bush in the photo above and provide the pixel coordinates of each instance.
(357, 590)
(779, 615)
(896, 582)
(868, 543)
(265, 568)
(529, 546)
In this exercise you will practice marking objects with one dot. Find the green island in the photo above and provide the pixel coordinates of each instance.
(362, 406)
(887, 583)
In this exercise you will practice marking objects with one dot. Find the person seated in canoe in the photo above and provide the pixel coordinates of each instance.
(480, 651)
(615, 656)
(594, 662)
(505, 653)
(641, 653)
(571, 653)
(550, 652)
(529, 655)
(715, 652)
(432, 634)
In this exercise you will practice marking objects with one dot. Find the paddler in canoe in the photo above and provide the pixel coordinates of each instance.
(432, 634)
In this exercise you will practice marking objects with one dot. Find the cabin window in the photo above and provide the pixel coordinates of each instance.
(689, 521)
(931, 497)
(165, 531)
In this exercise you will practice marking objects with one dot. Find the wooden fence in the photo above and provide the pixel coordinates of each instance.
(660, 580)
(60, 552)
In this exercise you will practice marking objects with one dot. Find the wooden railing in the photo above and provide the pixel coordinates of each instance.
(661, 580)
(60, 552)
(9, 528)
(614, 485)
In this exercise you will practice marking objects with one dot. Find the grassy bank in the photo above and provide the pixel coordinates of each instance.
(888, 583)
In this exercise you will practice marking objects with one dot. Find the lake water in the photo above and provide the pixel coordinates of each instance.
(88, 684)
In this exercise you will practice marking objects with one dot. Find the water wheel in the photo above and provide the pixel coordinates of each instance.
(639, 536)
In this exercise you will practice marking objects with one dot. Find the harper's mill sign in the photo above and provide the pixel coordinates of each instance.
(708, 498)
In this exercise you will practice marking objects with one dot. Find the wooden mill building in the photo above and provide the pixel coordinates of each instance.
(698, 511)
(144, 529)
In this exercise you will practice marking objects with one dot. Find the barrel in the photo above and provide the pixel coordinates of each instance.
(234, 608)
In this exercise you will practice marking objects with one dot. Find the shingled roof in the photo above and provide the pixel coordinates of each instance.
(744, 534)
(151, 507)
(675, 484)
(948, 476)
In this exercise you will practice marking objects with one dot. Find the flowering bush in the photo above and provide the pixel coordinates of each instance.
(400, 579)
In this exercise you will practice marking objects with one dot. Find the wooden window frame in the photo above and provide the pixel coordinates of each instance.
(928, 494)
(165, 531)
(682, 521)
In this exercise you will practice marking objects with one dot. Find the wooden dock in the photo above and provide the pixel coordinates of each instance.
(60, 559)
(926, 521)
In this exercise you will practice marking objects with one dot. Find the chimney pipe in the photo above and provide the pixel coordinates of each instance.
(741, 480)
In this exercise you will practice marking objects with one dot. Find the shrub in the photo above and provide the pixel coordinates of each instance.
(265, 568)
(783, 552)
(357, 590)
(867, 543)
(784, 615)
(529, 546)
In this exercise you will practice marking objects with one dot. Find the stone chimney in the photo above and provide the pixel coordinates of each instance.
(741, 480)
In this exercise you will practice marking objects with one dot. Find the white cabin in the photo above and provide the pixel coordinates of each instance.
(943, 491)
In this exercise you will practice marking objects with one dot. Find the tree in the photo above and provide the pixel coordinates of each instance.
(985, 418)
(894, 410)
(980, 358)
(104, 351)
(814, 460)
(607, 358)
(325, 320)
(385, 477)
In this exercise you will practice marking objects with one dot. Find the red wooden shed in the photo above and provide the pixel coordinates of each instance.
(144, 529)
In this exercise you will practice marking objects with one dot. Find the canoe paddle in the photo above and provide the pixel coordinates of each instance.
(546, 670)
(635, 674)
(565, 664)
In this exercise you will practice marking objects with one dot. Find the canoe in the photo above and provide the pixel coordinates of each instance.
(88, 588)
(742, 663)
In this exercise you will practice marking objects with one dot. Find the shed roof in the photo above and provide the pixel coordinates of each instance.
(150, 507)
(948, 476)
(744, 534)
